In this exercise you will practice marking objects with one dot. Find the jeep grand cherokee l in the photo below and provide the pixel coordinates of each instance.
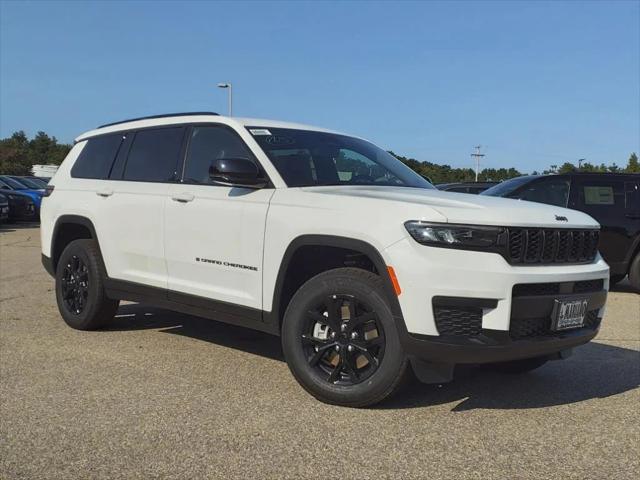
(364, 269)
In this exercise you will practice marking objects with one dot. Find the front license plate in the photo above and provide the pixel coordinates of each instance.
(569, 314)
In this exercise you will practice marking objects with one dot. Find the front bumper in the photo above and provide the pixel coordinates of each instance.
(488, 346)
(428, 272)
(512, 323)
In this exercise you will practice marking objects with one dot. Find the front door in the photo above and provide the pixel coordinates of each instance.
(214, 234)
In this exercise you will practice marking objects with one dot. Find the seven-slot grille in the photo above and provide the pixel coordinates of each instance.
(544, 246)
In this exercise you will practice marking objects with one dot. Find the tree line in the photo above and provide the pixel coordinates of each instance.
(18, 154)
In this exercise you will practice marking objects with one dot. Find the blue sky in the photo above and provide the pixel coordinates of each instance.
(538, 83)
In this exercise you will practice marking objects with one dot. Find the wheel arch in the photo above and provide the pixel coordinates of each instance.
(67, 229)
(281, 296)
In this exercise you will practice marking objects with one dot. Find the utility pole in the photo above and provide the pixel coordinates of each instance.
(477, 157)
(580, 160)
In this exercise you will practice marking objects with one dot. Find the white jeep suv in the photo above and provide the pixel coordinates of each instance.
(365, 270)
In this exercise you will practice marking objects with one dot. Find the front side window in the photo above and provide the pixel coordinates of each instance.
(97, 156)
(154, 155)
(311, 158)
(208, 144)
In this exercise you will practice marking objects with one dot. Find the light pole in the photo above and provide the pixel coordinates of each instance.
(230, 87)
(580, 160)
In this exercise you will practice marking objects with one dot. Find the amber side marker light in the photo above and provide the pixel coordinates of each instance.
(394, 280)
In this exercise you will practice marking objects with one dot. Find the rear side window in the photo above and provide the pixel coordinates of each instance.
(598, 195)
(96, 157)
(154, 155)
(602, 194)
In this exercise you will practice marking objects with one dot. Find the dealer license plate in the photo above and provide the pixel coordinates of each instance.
(569, 313)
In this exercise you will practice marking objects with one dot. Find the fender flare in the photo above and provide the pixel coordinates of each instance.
(340, 242)
(67, 220)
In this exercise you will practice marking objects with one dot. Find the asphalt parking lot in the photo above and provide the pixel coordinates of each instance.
(164, 395)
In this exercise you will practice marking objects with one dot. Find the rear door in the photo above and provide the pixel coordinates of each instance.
(604, 198)
(131, 205)
(214, 234)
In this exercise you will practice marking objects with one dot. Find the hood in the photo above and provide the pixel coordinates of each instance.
(466, 208)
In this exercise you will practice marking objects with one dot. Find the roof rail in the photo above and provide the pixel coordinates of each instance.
(184, 114)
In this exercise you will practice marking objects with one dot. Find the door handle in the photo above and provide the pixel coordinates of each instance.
(183, 197)
(633, 216)
(105, 192)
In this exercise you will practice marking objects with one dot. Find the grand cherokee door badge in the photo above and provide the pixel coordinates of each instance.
(226, 264)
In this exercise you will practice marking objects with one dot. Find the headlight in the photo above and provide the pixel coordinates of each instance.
(450, 235)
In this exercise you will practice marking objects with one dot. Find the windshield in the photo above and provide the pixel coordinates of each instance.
(13, 184)
(310, 158)
(505, 188)
(30, 183)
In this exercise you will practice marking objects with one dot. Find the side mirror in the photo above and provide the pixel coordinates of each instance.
(237, 172)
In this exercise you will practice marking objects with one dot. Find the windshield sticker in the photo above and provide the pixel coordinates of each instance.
(280, 140)
(259, 131)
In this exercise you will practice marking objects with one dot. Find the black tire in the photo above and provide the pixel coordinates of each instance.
(613, 279)
(520, 366)
(358, 382)
(634, 272)
(80, 275)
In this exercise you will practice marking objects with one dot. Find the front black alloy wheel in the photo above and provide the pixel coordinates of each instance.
(340, 340)
(343, 339)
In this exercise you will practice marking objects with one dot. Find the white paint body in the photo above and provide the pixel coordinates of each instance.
(146, 237)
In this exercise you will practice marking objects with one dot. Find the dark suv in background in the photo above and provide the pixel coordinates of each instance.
(613, 199)
(465, 187)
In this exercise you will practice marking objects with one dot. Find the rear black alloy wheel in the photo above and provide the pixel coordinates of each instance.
(80, 275)
(343, 340)
(340, 339)
(75, 285)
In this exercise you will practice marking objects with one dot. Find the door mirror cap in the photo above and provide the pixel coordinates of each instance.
(237, 172)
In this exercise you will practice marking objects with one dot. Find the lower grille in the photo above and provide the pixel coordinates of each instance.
(537, 289)
(541, 327)
(458, 321)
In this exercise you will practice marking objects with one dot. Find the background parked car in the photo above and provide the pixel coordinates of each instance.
(466, 187)
(21, 205)
(31, 182)
(4, 208)
(9, 183)
(612, 199)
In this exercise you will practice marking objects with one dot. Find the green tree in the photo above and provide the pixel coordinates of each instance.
(633, 166)
(18, 154)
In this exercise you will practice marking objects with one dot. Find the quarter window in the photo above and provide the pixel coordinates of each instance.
(154, 155)
(97, 156)
(208, 144)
